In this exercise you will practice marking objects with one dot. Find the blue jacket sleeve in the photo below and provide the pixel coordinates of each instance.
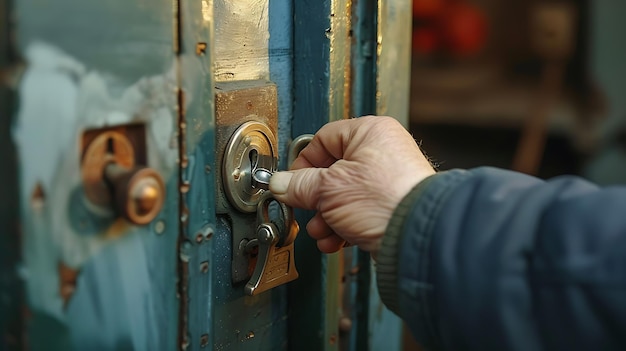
(488, 259)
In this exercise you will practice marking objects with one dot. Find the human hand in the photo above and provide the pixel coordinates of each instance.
(354, 173)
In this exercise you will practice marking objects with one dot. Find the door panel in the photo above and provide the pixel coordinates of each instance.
(161, 74)
(93, 281)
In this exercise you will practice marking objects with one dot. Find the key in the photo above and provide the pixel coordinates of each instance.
(261, 178)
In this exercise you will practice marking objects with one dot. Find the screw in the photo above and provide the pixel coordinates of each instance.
(345, 324)
(159, 227)
(204, 340)
(264, 234)
(209, 234)
(199, 238)
(204, 267)
(207, 169)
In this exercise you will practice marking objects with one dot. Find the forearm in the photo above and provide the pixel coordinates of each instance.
(469, 258)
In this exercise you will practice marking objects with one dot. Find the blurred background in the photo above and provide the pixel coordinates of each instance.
(535, 86)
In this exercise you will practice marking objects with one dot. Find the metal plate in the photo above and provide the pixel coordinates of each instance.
(250, 139)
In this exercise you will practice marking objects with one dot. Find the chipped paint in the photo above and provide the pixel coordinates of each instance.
(60, 97)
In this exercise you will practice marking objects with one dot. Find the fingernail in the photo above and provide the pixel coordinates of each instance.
(279, 182)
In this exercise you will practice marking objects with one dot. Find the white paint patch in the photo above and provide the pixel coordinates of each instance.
(207, 11)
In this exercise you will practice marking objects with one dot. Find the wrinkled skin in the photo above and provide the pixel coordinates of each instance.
(354, 173)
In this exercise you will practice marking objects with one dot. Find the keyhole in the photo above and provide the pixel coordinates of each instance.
(254, 159)
(110, 146)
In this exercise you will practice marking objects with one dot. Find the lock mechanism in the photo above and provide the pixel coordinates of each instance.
(262, 229)
(266, 257)
(114, 177)
(274, 243)
(250, 159)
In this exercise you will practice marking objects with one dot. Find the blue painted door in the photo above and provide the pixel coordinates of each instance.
(86, 279)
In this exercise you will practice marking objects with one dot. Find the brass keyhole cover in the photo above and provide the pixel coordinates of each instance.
(108, 147)
(249, 140)
(112, 179)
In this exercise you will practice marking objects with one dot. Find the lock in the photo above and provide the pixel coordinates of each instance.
(247, 148)
(114, 177)
(250, 158)
(275, 263)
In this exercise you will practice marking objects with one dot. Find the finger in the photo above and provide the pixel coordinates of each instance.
(318, 228)
(297, 188)
(327, 145)
(330, 244)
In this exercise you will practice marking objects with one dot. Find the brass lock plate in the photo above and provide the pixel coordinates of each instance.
(235, 104)
(238, 103)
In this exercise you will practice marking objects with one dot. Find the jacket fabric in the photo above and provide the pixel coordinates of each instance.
(488, 259)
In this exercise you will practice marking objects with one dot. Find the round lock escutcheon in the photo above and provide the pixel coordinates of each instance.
(245, 146)
(113, 180)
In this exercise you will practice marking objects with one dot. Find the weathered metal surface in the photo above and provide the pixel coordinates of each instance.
(95, 282)
(84, 73)
(197, 250)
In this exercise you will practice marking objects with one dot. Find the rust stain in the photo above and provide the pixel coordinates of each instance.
(116, 229)
(201, 49)
(204, 267)
(67, 282)
(38, 197)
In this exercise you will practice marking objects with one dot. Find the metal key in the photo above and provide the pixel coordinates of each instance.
(261, 178)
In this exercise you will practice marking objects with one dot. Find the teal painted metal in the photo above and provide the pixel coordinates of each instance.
(197, 259)
(91, 65)
(321, 74)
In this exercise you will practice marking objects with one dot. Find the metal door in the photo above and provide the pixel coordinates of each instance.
(168, 82)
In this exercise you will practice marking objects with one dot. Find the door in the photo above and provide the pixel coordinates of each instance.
(135, 233)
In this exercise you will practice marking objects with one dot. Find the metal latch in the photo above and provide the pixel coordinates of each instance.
(263, 256)
(275, 247)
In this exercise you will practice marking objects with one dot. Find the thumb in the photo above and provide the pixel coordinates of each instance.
(299, 188)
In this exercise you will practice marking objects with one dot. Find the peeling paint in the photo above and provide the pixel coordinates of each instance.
(60, 98)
